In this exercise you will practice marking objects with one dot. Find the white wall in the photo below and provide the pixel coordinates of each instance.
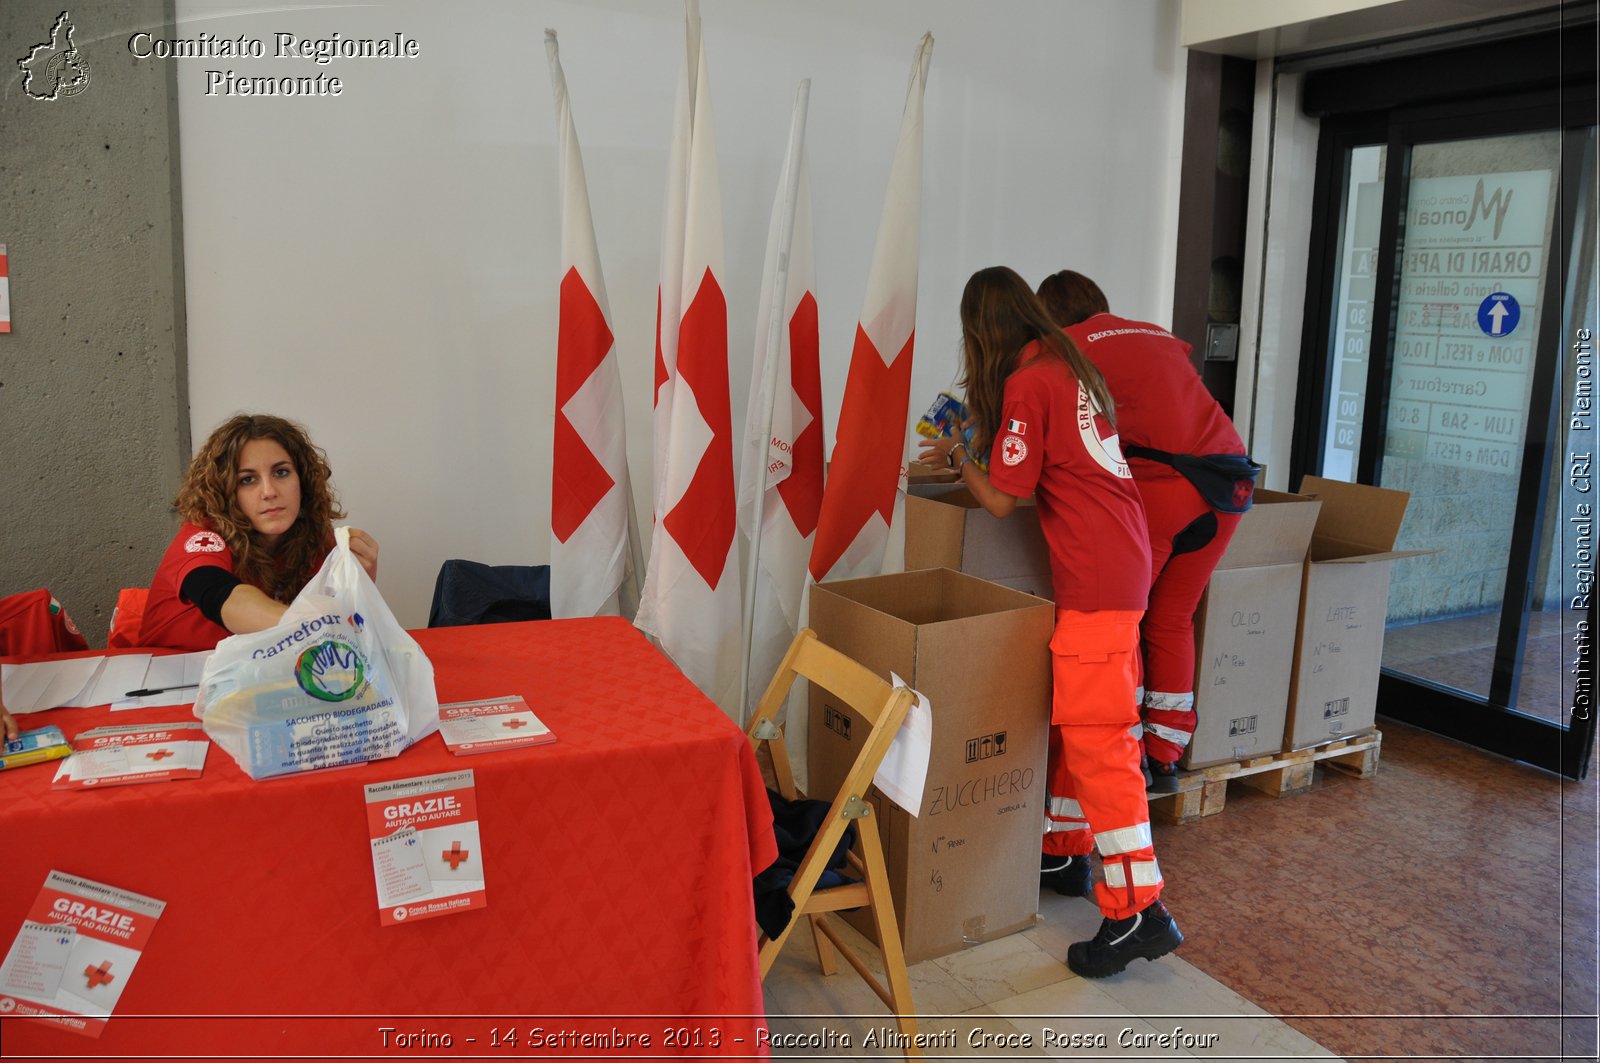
(383, 265)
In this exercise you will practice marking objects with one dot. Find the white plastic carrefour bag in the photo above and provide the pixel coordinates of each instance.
(337, 681)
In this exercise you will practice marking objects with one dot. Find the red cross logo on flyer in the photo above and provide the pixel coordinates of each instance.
(455, 856)
(99, 976)
(161, 754)
(1013, 450)
(514, 724)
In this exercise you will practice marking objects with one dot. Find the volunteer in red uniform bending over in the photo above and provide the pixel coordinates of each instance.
(1161, 404)
(1049, 416)
(258, 516)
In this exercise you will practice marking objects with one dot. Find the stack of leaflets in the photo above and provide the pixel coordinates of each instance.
(75, 952)
(33, 747)
(427, 854)
(115, 756)
(494, 723)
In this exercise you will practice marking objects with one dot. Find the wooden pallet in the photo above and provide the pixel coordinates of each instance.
(1205, 792)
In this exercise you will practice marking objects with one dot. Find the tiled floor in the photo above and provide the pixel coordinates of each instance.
(1013, 998)
(1444, 909)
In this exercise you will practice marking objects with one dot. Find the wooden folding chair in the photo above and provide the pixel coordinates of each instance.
(882, 707)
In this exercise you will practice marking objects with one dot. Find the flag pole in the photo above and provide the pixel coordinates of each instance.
(777, 307)
(629, 592)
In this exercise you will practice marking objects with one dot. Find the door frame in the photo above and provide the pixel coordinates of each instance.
(1487, 722)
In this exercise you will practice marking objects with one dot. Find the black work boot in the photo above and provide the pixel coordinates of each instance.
(1151, 933)
(1070, 876)
(1160, 777)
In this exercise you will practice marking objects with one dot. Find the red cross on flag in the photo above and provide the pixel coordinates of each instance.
(780, 491)
(869, 452)
(690, 602)
(591, 527)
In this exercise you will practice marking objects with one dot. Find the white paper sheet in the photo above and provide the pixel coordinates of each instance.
(176, 669)
(118, 675)
(904, 771)
(47, 684)
(176, 676)
(83, 681)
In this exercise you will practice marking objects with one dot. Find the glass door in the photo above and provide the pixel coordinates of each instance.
(1449, 357)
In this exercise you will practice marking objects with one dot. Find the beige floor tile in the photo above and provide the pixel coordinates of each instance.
(1172, 986)
(1062, 920)
(1075, 1019)
(1004, 968)
(796, 986)
(989, 1035)
(1171, 994)
(1287, 1041)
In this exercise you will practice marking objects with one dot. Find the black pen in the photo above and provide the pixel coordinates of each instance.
(158, 690)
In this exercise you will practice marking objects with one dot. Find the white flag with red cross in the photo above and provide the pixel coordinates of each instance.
(591, 529)
(781, 484)
(869, 453)
(690, 601)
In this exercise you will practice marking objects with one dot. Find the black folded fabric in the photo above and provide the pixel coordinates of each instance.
(470, 592)
(794, 825)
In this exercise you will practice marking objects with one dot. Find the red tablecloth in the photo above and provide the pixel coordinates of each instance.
(618, 862)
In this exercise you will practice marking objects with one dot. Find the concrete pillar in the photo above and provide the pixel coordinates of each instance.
(94, 409)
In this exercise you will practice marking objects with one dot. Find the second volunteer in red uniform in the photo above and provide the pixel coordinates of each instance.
(33, 623)
(1161, 404)
(1049, 416)
(258, 513)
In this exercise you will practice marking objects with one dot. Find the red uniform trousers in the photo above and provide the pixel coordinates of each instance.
(1096, 791)
(1177, 580)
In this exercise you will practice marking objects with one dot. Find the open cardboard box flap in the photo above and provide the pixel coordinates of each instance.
(1356, 519)
(1273, 532)
(953, 530)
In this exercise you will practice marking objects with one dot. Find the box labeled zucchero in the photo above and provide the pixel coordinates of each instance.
(964, 869)
(1245, 632)
(1343, 610)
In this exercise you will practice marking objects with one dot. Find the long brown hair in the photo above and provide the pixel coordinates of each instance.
(1000, 316)
(1071, 297)
(209, 497)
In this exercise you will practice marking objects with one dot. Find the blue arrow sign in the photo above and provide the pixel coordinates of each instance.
(1498, 314)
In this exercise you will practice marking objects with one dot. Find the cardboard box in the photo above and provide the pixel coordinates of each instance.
(965, 869)
(1245, 632)
(1344, 606)
(952, 530)
(923, 482)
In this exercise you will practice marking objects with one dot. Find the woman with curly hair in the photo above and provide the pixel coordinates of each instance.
(1045, 413)
(258, 515)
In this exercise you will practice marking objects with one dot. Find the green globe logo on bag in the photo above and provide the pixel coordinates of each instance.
(331, 671)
